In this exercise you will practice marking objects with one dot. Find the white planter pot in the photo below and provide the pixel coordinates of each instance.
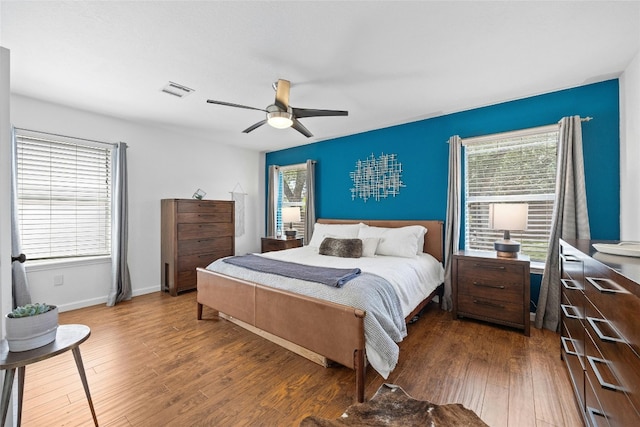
(27, 333)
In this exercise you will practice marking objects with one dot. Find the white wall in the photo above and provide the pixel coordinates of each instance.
(5, 187)
(162, 164)
(630, 151)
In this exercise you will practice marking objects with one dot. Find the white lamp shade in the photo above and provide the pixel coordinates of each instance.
(291, 214)
(508, 216)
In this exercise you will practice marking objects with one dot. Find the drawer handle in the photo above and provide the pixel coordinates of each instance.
(593, 321)
(574, 309)
(488, 303)
(489, 267)
(594, 361)
(572, 285)
(613, 288)
(570, 258)
(565, 346)
(486, 285)
(593, 413)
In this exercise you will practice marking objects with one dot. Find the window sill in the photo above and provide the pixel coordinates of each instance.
(536, 267)
(66, 262)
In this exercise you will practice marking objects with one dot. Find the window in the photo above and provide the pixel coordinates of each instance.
(64, 196)
(518, 167)
(292, 192)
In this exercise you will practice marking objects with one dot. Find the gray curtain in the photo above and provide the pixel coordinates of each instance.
(120, 279)
(310, 207)
(19, 283)
(452, 223)
(272, 199)
(570, 218)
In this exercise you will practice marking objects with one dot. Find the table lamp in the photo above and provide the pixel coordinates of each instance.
(508, 217)
(290, 214)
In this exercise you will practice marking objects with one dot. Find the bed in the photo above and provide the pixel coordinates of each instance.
(320, 329)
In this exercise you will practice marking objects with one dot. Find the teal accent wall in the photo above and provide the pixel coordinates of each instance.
(422, 149)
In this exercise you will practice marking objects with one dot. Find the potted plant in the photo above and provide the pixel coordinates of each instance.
(31, 326)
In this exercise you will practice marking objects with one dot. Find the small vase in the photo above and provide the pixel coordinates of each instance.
(27, 333)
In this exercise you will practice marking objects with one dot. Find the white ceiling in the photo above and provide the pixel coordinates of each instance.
(386, 62)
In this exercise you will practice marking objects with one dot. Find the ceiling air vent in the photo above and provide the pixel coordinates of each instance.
(176, 89)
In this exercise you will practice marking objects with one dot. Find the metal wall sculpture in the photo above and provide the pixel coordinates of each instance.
(377, 178)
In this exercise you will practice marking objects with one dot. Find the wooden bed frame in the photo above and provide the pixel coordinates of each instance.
(312, 327)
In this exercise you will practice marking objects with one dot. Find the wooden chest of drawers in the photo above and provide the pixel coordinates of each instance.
(493, 289)
(194, 234)
(600, 332)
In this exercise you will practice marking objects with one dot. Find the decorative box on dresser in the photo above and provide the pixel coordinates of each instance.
(270, 244)
(600, 332)
(487, 287)
(194, 234)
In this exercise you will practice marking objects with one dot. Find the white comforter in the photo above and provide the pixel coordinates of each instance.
(412, 278)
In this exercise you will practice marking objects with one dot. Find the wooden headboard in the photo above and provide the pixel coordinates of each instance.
(433, 240)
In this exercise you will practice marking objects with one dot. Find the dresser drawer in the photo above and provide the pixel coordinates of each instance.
(204, 230)
(620, 359)
(572, 264)
(595, 414)
(572, 352)
(608, 293)
(573, 295)
(202, 246)
(510, 312)
(205, 206)
(191, 262)
(614, 402)
(573, 323)
(200, 217)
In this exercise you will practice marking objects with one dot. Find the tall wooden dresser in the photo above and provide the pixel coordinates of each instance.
(600, 332)
(194, 234)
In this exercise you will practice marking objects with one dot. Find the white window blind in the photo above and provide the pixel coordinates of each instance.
(519, 167)
(293, 192)
(64, 196)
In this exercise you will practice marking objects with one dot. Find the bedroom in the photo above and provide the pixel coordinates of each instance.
(160, 167)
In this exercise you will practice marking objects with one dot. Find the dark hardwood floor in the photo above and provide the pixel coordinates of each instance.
(149, 362)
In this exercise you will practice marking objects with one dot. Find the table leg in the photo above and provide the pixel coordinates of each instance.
(80, 365)
(6, 392)
(21, 373)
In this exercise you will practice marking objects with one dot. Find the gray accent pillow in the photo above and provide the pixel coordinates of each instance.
(343, 248)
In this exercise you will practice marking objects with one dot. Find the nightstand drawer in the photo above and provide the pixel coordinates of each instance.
(510, 312)
(489, 272)
(504, 291)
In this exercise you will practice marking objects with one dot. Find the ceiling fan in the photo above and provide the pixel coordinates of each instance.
(280, 114)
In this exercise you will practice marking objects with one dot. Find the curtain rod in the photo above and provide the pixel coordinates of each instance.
(111, 144)
(520, 132)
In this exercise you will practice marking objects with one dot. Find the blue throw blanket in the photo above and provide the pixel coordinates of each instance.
(335, 277)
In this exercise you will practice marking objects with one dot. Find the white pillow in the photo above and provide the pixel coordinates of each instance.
(369, 246)
(344, 231)
(401, 242)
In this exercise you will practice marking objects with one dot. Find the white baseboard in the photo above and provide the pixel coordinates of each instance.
(102, 300)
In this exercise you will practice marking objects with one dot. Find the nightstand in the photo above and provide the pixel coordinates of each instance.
(270, 244)
(490, 288)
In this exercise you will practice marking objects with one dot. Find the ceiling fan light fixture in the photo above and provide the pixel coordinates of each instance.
(280, 119)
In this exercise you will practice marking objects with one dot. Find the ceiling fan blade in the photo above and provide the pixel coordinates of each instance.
(254, 126)
(310, 112)
(282, 93)
(300, 128)
(229, 104)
